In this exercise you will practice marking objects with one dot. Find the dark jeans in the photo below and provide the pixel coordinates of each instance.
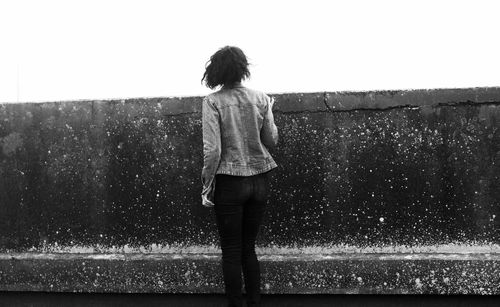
(239, 208)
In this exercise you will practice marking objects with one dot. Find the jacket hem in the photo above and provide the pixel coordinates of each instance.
(247, 172)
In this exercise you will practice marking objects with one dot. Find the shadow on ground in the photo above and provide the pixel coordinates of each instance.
(46, 299)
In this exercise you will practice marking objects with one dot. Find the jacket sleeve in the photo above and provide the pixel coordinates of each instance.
(211, 142)
(269, 131)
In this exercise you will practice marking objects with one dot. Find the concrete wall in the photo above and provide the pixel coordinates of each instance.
(376, 192)
(364, 169)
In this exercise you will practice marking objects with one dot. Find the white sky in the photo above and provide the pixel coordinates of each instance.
(66, 50)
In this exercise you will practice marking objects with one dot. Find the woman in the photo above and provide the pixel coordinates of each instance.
(238, 128)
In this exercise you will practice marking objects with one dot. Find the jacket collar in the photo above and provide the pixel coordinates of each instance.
(236, 85)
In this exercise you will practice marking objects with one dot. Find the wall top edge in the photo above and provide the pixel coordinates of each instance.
(314, 101)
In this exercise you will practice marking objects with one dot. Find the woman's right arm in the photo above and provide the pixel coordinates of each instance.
(211, 142)
(269, 132)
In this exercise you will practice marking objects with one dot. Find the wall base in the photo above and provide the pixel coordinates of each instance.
(282, 274)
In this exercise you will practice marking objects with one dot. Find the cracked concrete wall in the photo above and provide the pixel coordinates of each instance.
(367, 169)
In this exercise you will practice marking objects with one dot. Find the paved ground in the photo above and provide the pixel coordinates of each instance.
(39, 299)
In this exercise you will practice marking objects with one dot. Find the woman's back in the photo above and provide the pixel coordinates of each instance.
(246, 130)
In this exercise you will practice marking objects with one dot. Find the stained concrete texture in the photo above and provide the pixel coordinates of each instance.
(400, 168)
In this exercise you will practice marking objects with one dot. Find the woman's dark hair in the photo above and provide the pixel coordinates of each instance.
(226, 67)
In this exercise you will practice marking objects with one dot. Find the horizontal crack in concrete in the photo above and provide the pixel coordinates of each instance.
(467, 103)
(407, 106)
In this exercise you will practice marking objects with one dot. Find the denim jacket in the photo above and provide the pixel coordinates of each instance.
(238, 128)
